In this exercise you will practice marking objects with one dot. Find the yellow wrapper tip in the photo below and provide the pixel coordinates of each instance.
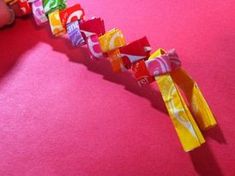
(187, 130)
(198, 105)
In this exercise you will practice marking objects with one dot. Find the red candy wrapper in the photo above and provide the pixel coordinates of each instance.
(71, 14)
(141, 73)
(135, 51)
(94, 47)
(93, 26)
(21, 7)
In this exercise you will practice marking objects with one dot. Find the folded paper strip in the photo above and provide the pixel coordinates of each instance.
(75, 34)
(189, 115)
(57, 28)
(38, 12)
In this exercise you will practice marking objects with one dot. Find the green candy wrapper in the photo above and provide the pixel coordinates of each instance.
(51, 5)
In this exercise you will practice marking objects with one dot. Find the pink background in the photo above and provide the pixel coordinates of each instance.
(63, 114)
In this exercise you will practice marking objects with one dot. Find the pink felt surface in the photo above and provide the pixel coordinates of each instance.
(63, 114)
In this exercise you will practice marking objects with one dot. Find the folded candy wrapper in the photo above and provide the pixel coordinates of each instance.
(182, 118)
(184, 101)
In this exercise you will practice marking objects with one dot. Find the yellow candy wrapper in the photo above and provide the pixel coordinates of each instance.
(199, 107)
(55, 22)
(112, 40)
(187, 130)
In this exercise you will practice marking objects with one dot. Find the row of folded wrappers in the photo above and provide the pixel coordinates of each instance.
(189, 113)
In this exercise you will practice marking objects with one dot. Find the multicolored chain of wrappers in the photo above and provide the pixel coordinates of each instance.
(162, 67)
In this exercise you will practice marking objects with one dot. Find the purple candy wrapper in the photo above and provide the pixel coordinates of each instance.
(74, 34)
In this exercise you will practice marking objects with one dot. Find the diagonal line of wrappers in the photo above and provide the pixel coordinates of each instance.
(163, 67)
